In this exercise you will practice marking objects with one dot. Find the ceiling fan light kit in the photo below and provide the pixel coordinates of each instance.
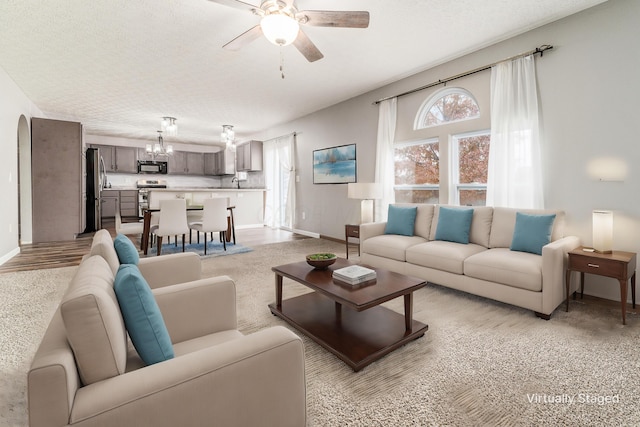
(280, 29)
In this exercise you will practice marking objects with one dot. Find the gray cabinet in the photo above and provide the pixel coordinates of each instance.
(249, 156)
(119, 159)
(109, 203)
(58, 177)
(220, 163)
(128, 203)
(186, 163)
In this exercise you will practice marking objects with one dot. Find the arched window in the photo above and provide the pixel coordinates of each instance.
(445, 106)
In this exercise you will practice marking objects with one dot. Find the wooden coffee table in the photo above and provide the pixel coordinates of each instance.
(349, 320)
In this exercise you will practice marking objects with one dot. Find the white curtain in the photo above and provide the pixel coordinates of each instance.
(279, 176)
(515, 170)
(385, 165)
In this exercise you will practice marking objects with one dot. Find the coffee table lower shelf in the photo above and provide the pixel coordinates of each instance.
(356, 337)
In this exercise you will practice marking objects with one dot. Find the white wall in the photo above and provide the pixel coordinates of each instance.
(13, 105)
(588, 89)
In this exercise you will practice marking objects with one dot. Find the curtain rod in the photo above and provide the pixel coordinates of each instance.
(294, 133)
(539, 50)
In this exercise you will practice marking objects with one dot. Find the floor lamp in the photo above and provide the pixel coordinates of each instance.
(367, 192)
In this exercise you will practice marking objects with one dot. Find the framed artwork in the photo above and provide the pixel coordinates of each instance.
(335, 165)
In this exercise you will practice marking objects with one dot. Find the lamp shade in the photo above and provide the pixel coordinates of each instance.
(364, 190)
(280, 29)
(603, 231)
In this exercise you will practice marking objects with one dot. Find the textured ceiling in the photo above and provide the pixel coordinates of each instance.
(118, 66)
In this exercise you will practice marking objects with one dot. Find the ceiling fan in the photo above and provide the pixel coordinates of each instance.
(280, 24)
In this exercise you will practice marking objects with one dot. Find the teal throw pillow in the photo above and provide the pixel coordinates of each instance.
(142, 316)
(454, 225)
(401, 220)
(532, 232)
(127, 252)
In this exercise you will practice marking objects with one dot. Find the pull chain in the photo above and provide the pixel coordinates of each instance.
(281, 62)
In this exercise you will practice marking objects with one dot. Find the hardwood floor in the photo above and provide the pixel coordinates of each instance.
(63, 254)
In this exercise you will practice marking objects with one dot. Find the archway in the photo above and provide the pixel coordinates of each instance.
(24, 182)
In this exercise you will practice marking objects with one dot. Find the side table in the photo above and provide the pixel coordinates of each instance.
(618, 265)
(352, 231)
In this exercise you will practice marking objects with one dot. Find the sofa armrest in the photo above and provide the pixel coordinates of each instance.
(198, 308)
(554, 264)
(371, 229)
(255, 380)
(171, 269)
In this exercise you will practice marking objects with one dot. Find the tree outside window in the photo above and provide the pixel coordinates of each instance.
(471, 163)
(417, 171)
(446, 106)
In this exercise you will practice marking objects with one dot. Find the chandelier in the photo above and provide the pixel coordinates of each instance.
(228, 136)
(158, 149)
(169, 126)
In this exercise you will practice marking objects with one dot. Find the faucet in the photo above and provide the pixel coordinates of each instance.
(235, 179)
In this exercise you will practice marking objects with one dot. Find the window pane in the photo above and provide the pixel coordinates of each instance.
(450, 108)
(417, 164)
(474, 159)
(473, 197)
(417, 196)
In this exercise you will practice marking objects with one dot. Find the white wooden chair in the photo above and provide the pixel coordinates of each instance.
(214, 219)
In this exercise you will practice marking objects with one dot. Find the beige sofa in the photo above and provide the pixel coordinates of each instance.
(485, 266)
(218, 375)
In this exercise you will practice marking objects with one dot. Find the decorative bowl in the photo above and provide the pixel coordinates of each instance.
(321, 261)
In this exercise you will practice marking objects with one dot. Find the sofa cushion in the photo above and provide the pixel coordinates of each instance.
(517, 269)
(504, 223)
(126, 251)
(93, 323)
(442, 255)
(532, 232)
(142, 316)
(454, 225)
(480, 224)
(424, 218)
(391, 246)
(401, 220)
(102, 245)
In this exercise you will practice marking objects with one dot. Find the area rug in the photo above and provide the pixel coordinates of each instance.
(214, 249)
(481, 363)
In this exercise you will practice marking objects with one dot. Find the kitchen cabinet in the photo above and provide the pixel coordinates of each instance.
(249, 156)
(119, 159)
(186, 163)
(58, 177)
(220, 163)
(109, 203)
(128, 203)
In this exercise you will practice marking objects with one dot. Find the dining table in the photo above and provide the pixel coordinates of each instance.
(144, 244)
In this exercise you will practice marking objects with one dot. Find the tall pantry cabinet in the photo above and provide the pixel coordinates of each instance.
(58, 169)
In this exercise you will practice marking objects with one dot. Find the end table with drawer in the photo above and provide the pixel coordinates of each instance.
(351, 231)
(618, 265)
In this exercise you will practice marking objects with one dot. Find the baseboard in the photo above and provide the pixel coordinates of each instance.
(10, 255)
(306, 233)
(241, 227)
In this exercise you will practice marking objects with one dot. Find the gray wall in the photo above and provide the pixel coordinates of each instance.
(588, 89)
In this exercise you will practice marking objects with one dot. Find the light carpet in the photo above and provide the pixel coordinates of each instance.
(480, 363)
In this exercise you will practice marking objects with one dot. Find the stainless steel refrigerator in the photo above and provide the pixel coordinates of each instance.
(95, 174)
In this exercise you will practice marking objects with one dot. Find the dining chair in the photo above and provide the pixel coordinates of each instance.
(172, 221)
(128, 228)
(214, 219)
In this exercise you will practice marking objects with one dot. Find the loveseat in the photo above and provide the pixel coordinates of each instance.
(86, 372)
(496, 262)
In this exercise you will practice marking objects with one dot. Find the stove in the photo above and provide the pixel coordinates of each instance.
(144, 185)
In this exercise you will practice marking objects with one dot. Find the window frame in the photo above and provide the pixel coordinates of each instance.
(418, 187)
(454, 166)
(428, 103)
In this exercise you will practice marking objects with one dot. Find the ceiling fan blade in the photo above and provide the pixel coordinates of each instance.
(244, 38)
(334, 18)
(307, 48)
(236, 4)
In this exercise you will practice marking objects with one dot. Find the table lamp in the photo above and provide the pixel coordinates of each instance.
(603, 232)
(367, 192)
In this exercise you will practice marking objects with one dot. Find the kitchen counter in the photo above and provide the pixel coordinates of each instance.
(248, 202)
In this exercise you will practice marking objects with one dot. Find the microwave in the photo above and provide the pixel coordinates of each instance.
(148, 166)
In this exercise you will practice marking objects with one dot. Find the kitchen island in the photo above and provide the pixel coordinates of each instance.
(248, 202)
